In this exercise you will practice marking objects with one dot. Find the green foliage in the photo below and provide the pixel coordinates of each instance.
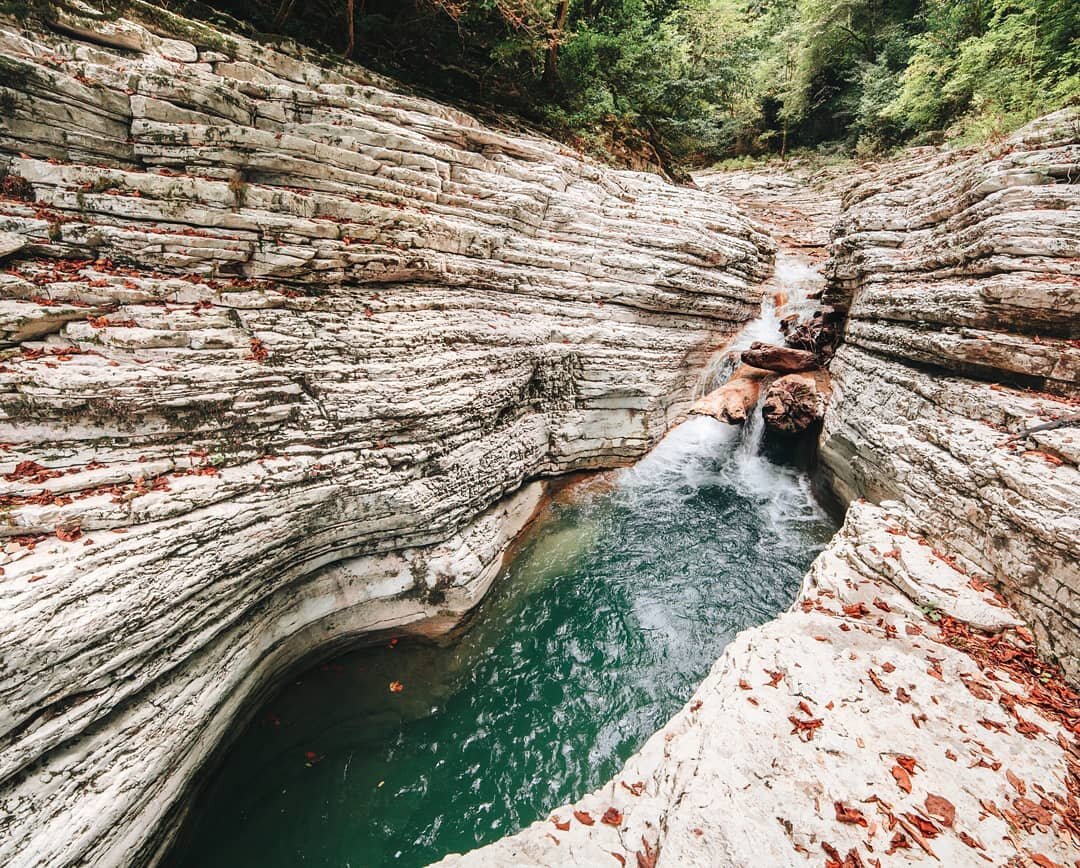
(703, 80)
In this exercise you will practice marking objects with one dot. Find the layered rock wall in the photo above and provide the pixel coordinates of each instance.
(283, 348)
(961, 274)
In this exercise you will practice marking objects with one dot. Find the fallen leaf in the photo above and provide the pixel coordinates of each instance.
(396, 687)
(620, 857)
(903, 779)
(877, 681)
(774, 677)
(846, 814)
(585, 818)
(648, 858)
(611, 817)
(899, 842)
(942, 808)
(561, 825)
(923, 825)
(1016, 782)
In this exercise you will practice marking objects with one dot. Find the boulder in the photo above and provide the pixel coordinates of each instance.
(780, 360)
(734, 400)
(796, 402)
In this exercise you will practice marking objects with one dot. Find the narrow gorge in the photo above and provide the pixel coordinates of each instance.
(298, 364)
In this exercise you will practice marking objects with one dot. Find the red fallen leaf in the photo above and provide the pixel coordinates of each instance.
(744, 684)
(648, 858)
(1032, 811)
(849, 815)
(906, 762)
(1016, 782)
(1043, 862)
(950, 755)
(805, 727)
(612, 817)
(881, 604)
(805, 709)
(977, 584)
(845, 627)
(695, 705)
(1052, 460)
(977, 690)
(913, 629)
(877, 681)
(561, 825)
(971, 842)
(259, 352)
(774, 677)
(68, 534)
(1028, 729)
(636, 789)
(923, 825)
(312, 757)
(903, 779)
(899, 842)
(888, 667)
(856, 610)
(902, 695)
(396, 687)
(620, 857)
(585, 818)
(992, 725)
(942, 808)
(1025, 634)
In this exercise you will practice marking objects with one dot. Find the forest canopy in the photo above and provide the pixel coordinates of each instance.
(699, 80)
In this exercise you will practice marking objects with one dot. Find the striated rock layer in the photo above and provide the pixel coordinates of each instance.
(284, 348)
(901, 712)
(961, 274)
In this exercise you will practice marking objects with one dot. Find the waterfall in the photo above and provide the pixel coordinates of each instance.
(792, 277)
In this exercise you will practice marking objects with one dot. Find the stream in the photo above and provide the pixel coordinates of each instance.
(627, 589)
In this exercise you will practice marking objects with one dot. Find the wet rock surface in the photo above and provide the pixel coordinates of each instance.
(796, 402)
(284, 347)
(902, 712)
(897, 713)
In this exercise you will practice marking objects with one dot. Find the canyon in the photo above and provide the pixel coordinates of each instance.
(289, 354)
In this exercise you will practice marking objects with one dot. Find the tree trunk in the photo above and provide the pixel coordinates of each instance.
(551, 64)
(350, 11)
(284, 11)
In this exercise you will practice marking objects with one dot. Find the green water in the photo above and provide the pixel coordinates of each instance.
(596, 634)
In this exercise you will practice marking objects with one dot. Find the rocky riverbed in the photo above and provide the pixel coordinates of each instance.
(287, 352)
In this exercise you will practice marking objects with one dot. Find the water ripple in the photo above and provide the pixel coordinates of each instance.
(599, 631)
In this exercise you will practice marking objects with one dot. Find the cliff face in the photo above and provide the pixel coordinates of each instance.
(901, 712)
(961, 275)
(284, 349)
